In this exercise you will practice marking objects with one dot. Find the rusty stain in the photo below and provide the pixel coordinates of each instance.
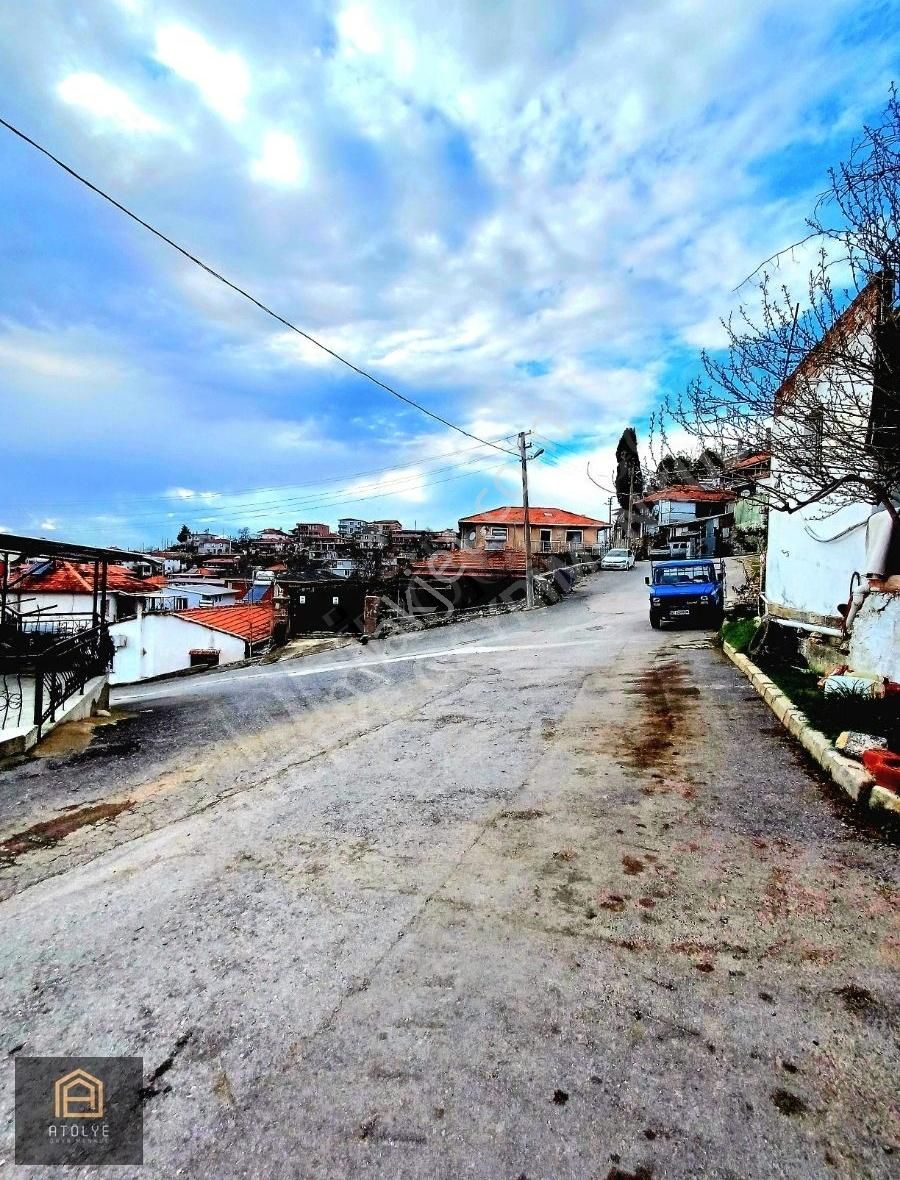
(633, 865)
(51, 831)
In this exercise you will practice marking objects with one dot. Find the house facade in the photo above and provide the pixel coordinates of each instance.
(818, 553)
(150, 645)
(58, 589)
(689, 512)
(553, 530)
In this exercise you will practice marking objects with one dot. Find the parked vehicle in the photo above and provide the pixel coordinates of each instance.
(686, 591)
(617, 559)
(683, 549)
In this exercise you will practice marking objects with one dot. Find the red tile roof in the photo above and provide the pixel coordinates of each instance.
(69, 577)
(246, 622)
(689, 493)
(750, 461)
(537, 517)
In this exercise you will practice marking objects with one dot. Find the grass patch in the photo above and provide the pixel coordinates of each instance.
(832, 714)
(739, 633)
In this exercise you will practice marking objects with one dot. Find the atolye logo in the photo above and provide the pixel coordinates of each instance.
(78, 1095)
(79, 1110)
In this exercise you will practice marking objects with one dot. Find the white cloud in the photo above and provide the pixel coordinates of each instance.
(279, 162)
(358, 29)
(222, 78)
(49, 525)
(109, 104)
(190, 494)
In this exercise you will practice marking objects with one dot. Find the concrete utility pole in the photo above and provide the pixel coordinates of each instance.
(529, 568)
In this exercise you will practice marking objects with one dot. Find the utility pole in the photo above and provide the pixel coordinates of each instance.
(630, 495)
(529, 566)
(529, 570)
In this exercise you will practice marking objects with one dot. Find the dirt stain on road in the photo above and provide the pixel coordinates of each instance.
(666, 698)
(51, 831)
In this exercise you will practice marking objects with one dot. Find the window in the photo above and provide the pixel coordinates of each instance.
(204, 657)
(681, 575)
(499, 532)
(574, 536)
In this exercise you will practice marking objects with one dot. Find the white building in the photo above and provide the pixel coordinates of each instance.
(203, 593)
(814, 552)
(158, 644)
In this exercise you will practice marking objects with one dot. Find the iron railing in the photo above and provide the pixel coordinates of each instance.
(65, 668)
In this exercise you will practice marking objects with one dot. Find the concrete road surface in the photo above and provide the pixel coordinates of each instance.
(550, 895)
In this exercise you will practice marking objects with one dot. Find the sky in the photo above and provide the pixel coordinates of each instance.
(524, 215)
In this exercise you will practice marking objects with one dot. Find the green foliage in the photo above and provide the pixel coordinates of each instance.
(844, 709)
(739, 633)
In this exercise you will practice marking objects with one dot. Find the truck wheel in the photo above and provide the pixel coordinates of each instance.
(654, 620)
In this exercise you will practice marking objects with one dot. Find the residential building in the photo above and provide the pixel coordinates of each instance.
(172, 561)
(55, 601)
(55, 590)
(207, 544)
(273, 539)
(350, 526)
(690, 512)
(304, 531)
(553, 530)
(203, 594)
(746, 476)
(819, 555)
(151, 645)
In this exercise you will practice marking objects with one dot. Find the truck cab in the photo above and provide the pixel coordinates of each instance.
(686, 591)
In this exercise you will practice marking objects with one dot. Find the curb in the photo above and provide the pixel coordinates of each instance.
(852, 778)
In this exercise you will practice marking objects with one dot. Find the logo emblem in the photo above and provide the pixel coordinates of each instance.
(78, 1095)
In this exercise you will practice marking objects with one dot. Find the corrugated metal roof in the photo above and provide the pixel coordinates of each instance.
(689, 493)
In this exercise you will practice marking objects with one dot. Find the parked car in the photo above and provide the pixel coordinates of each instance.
(685, 591)
(617, 559)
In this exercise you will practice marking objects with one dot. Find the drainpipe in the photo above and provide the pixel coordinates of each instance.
(814, 628)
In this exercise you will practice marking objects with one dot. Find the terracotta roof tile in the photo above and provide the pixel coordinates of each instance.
(513, 514)
(69, 577)
(246, 622)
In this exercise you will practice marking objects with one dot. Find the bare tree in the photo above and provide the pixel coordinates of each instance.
(816, 381)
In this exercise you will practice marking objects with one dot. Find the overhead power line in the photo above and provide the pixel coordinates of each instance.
(61, 507)
(308, 504)
(246, 294)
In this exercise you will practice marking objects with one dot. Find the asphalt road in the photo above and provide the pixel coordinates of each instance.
(549, 895)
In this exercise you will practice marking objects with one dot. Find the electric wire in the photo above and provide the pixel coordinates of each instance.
(246, 294)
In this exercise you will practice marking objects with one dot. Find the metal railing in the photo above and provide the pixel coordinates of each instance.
(570, 547)
(65, 668)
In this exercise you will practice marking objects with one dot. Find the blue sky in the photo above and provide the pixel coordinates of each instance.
(523, 215)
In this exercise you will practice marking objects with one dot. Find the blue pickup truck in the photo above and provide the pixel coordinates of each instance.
(686, 591)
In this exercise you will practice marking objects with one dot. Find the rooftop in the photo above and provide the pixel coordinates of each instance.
(515, 514)
(70, 577)
(689, 493)
(246, 622)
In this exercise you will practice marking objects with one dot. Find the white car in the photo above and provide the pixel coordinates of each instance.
(617, 559)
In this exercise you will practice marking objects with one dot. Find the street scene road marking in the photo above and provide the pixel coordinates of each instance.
(349, 666)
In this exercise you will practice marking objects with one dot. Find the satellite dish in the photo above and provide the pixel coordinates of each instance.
(472, 535)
